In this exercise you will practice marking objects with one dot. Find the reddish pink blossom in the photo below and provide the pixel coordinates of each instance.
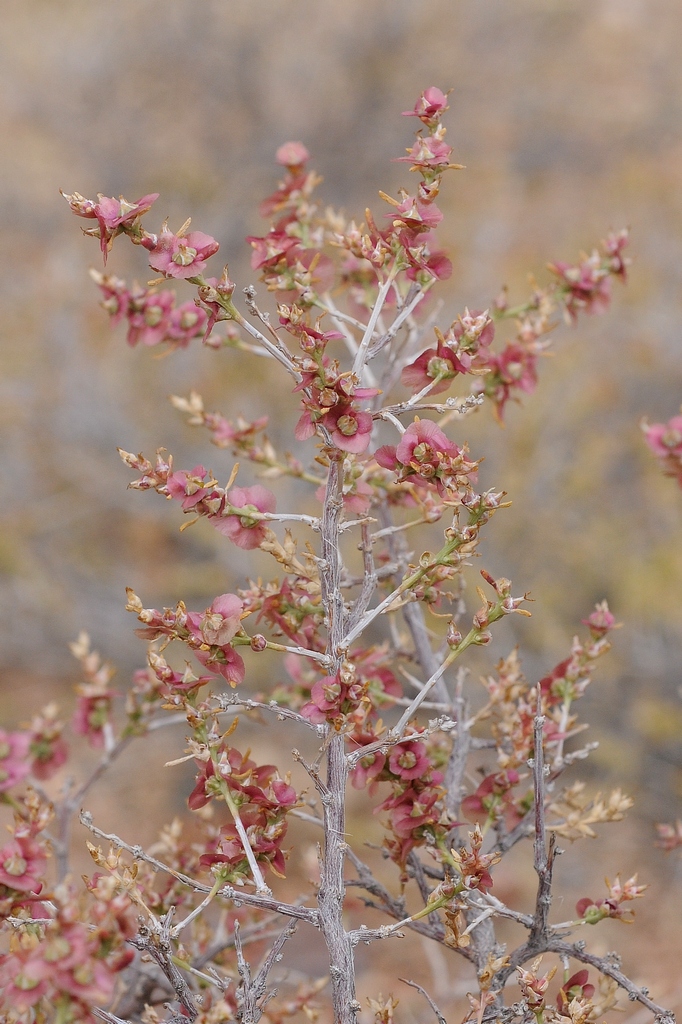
(48, 749)
(243, 530)
(474, 332)
(430, 105)
(514, 368)
(292, 155)
(226, 434)
(310, 268)
(188, 487)
(180, 256)
(351, 430)
(613, 247)
(219, 623)
(426, 456)
(409, 760)
(493, 799)
(416, 215)
(92, 714)
(665, 439)
(601, 621)
(23, 979)
(436, 263)
(331, 697)
(149, 316)
(269, 250)
(367, 769)
(576, 987)
(186, 322)
(214, 630)
(311, 338)
(111, 214)
(669, 836)
(22, 864)
(89, 981)
(116, 295)
(14, 758)
(66, 948)
(422, 442)
(586, 285)
(48, 757)
(431, 364)
(430, 152)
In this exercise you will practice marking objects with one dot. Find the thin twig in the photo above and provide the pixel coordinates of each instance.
(413, 984)
(369, 582)
(228, 892)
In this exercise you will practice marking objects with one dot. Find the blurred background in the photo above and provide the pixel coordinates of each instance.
(568, 117)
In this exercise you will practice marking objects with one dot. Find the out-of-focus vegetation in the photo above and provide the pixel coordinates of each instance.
(568, 117)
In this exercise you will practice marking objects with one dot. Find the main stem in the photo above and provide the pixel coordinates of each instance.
(332, 889)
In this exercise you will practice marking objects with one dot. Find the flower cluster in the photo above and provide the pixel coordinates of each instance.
(71, 962)
(369, 623)
(113, 216)
(151, 315)
(92, 717)
(593, 911)
(586, 286)
(262, 801)
(428, 459)
(208, 634)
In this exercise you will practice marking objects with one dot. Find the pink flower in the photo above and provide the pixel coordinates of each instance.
(116, 295)
(111, 214)
(220, 622)
(243, 530)
(601, 621)
(188, 487)
(186, 323)
(214, 630)
(66, 948)
(435, 362)
(48, 749)
(422, 442)
(93, 712)
(326, 695)
(430, 105)
(50, 759)
(493, 799)
(367, 769)
(269, 250)
(180, 256)
(426, 457)
(22, 864)
(409, 760)
(586, 286)
(14, 758)
(90, 980)
(576, 987)
(430, 152)
(331, 697)
(665, 438)
(292, 155)
(23, 979)
(149, 316)
(351, 429)
(211, 293)
(114, 213)
(613, 247)
(416, 215)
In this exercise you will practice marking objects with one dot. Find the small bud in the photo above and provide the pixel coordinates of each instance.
(258, 642)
